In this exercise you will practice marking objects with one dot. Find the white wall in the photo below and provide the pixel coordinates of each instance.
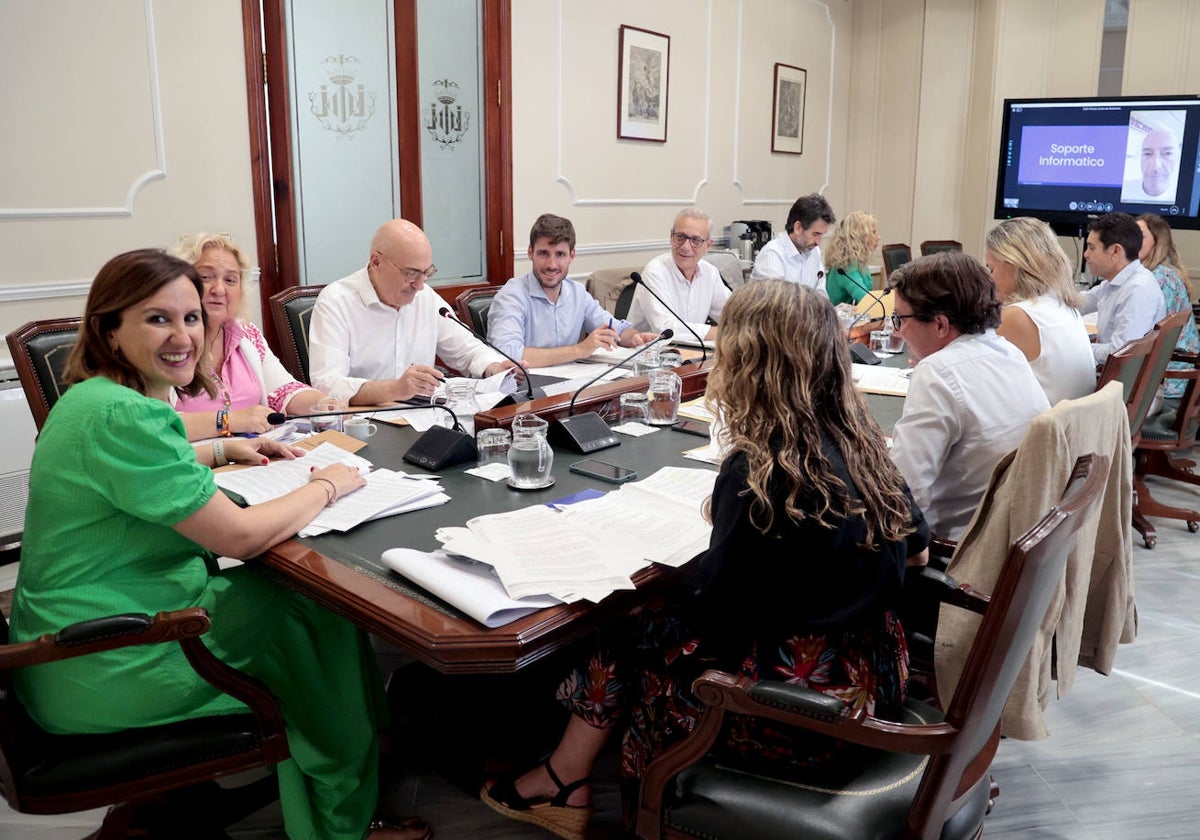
(125, 126)
(623, 194)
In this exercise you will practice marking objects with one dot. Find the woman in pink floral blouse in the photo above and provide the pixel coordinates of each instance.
(251, 381)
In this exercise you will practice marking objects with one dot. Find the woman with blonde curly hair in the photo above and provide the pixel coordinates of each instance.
(812, 529)
(845, 254)
(1033, 281)
(251, 381)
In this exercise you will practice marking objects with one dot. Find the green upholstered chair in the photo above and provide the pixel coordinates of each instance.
(894, 256)
(472, 307)
(291, 310)
(40, 350)
(136, 769)
(924, 777)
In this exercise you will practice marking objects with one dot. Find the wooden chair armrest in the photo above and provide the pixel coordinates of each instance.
(109, 633)
(943, 588)
(184, 626)
(1183, 356)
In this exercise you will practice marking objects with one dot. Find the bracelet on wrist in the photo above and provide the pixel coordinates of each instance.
(218, 451)
(331, 494)
(223, 423)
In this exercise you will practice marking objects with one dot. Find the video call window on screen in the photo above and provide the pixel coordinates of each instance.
(1068, 160)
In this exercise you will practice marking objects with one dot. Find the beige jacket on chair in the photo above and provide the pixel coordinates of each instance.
(1093, 611)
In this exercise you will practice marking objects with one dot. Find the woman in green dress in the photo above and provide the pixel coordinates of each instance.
(124, 516)
(845, 254)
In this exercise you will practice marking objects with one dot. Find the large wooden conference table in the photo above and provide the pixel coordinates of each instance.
(343, 571)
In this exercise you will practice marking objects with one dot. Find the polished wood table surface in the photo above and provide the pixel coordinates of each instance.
(343, 571)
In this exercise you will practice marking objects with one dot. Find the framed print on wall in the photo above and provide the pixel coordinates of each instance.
(642, 74)
(787, 110)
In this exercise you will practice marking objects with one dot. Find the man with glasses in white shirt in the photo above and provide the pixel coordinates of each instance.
(374, 335)
(691, 286)
(972, 394)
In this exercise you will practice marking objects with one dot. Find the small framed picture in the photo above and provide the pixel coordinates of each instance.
(787, 111)
(643, 65)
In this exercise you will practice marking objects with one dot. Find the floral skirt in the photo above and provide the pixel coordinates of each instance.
(641, 673)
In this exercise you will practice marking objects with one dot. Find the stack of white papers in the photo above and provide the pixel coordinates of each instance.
(879, 379)
(575, 375)
(589, 549)
(468, 584)
(386, 492)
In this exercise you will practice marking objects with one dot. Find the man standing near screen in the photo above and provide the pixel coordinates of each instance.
(1159, 163)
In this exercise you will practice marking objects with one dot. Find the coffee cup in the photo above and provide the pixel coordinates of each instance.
(360, 427)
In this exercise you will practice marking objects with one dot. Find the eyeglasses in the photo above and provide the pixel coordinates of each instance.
(680, 238)
(898, 320)
(412, 275)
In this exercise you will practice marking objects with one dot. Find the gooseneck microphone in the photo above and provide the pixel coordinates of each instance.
(862, 316)
(638, 281)
(529, 390)
(665, 335)
(858, 353)
(588, 432)
(277, 417)
(434, 448)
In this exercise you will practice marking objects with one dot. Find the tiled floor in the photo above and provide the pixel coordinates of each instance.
(1120, 764)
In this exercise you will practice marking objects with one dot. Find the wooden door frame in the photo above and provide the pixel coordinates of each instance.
(265, 41)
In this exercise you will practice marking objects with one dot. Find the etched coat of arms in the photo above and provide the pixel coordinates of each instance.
(347, 107)
(447, 122)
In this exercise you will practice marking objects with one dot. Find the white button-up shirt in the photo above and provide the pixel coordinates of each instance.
(968, 405)
(355, 338)
(780, 259)
(702, 297)
(1127, 306)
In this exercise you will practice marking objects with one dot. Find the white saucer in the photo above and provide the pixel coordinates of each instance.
(549, 483)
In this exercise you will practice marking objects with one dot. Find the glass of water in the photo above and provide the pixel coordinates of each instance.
(530, 456)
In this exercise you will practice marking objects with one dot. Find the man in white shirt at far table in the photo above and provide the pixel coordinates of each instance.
(795, 254)
(972, 393)
(692, 287)
(376, 333)
(1129, 302)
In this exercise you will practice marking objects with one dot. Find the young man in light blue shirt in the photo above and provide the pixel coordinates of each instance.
(541, 316)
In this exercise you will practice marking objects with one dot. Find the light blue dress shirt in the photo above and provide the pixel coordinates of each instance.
(522, 316)
(1127, 307)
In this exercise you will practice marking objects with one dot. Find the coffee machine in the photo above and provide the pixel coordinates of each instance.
(759, 230)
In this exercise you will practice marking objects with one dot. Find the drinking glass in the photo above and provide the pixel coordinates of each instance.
(877, 340)
(324, 424)
(635, 407)
(492, 445)
(648, 361)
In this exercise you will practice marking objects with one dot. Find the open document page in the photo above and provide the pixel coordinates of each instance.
(590, 548)
(467, 584)
(881, 379)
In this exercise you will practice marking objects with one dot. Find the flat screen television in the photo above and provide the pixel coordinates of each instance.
(1066, 161)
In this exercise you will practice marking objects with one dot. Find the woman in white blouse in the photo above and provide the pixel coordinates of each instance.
(1033, 279)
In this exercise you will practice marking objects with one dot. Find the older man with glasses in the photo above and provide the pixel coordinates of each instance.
(375, 334)
(691, 287)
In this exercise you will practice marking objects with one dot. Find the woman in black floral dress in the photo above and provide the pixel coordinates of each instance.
(812, 529)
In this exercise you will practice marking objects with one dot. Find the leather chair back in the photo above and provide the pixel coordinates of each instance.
(608, 286)
(40, 350)
(894, 256)
(291, 310)
(937, 246)
(473, 305)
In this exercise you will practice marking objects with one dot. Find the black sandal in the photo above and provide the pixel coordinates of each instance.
(550, 812)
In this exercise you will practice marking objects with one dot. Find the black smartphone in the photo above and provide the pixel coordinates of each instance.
(692, 427)
(612, 473)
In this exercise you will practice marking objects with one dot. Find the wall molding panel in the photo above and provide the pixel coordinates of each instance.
(157, 172)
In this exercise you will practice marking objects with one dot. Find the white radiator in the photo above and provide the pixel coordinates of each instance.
(16, 453)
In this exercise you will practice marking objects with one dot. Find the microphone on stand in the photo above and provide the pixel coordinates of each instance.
(529, 389)
(857, 352)
(638, 281)
(434, 448)
(588, 432)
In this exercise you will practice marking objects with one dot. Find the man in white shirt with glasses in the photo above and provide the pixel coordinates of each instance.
(375, 334)
(691, 286)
